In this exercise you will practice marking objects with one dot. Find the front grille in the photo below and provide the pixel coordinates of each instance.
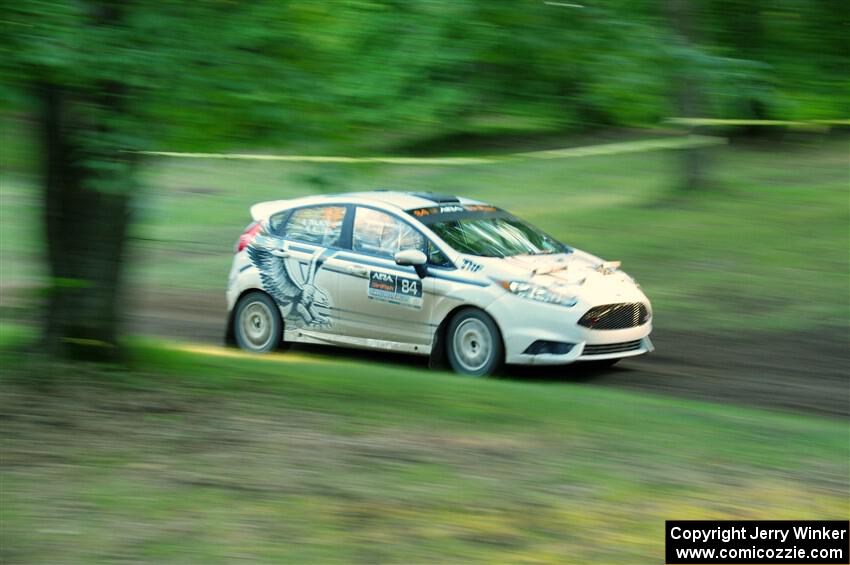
(611, 348)
(615, 316)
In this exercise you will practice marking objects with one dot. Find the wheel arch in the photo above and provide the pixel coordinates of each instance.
(438, 358)
(230, 331)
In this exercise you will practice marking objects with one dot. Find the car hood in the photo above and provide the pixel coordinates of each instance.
(576, 273)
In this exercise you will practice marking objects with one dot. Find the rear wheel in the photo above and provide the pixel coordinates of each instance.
(257, 324)
(474, 344)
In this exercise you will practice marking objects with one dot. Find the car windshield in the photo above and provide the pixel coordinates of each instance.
(495, 237)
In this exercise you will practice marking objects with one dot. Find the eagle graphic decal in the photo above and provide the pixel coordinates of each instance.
(291, 282)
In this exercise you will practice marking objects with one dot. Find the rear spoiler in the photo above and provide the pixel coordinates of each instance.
(263, 210)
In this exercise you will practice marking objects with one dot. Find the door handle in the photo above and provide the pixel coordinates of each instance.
(279, 253)
(358, 270)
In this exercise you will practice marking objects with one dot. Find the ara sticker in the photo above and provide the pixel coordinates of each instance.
(395, 289)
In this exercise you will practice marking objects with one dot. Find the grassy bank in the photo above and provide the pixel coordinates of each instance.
(194, 457)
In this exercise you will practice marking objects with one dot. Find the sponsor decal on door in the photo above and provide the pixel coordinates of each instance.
(394, 289)
(292, 283)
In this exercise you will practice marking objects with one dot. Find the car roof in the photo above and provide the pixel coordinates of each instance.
(388, 198)
(410, 200)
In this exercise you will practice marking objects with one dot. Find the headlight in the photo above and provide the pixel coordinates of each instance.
(539, 293)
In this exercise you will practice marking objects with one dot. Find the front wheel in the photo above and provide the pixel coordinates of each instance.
(474, 344)
(257, 323)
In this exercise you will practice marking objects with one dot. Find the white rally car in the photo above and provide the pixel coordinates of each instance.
(423, 273)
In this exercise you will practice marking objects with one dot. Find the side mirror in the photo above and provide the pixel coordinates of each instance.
(413, 258)
(410, 257)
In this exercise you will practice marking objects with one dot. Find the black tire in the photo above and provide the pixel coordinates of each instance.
(257, 325)
(474, 344)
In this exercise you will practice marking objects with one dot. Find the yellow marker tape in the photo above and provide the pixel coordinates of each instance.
(818, 125)
(87, 342)
(683, 142)
(832, 122)
(329, 158)
(677, 142)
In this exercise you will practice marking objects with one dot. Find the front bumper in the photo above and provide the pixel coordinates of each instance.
(578, 354)
(524, 322)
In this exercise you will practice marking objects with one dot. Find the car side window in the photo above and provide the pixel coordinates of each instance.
(277, 221)
(437, 257)
(319, 225)
(378, 233)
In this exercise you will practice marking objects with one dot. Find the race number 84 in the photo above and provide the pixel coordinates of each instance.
(409, 286)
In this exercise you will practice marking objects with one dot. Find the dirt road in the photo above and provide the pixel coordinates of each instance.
(806, 372)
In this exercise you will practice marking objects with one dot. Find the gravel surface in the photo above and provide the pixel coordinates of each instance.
(805, 372)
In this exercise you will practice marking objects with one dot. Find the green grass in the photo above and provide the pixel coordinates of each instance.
(765, 248)
(193, 457)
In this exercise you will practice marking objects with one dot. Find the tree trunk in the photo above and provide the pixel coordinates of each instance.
(687, 94)
(86, 231)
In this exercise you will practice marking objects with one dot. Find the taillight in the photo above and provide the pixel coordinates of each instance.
(248, 235)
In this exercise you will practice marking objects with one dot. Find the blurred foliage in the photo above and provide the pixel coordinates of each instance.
(202, 74)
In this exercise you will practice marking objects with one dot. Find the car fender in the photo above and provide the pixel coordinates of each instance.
(451, 294)
(244, 278)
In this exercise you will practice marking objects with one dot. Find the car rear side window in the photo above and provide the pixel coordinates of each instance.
(378, 233)
(278, 221)
(319, 225)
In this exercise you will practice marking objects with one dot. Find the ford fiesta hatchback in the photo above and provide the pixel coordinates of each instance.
(460, 280)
